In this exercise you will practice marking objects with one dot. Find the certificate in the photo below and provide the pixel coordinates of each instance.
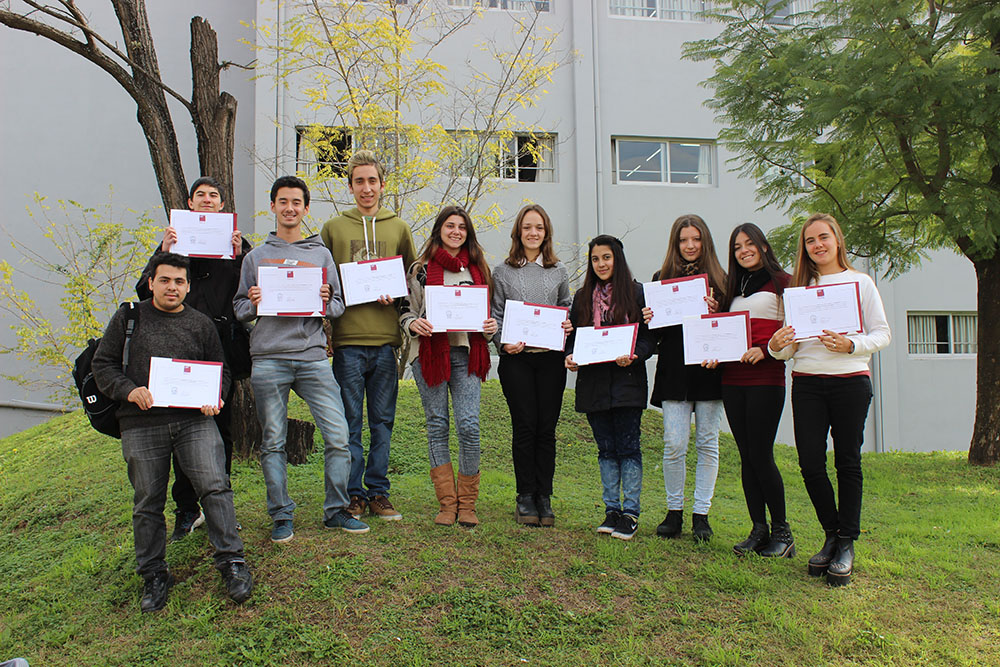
(366, 281)
(181, 383)
(723, 336)
(673, 300)
(291, 291)
(457, 307)
(534, 325)
(595, 346)
(202, 234)
(836, 307)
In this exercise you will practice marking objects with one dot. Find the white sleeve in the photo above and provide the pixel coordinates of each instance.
(876, 335)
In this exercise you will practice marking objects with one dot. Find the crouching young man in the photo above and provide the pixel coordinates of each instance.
(152, 435)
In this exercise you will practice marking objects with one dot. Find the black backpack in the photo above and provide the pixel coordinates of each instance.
(99, 408)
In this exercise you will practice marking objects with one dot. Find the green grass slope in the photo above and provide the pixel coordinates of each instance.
(411, 593)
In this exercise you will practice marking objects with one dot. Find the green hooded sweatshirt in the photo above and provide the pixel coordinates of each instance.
(349, 240)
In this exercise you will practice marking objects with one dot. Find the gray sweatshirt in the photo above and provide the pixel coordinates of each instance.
(292, 338)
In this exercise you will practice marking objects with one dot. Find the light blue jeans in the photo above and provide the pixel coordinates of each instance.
(619, 456)
(465, 390)
(316, 385)
(676, 433)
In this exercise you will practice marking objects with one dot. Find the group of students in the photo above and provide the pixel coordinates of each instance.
(831, 388)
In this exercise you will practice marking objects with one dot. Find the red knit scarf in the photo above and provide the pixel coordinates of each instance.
(435, 351)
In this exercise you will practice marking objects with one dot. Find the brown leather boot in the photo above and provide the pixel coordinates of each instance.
(444, 487)
(468, 492)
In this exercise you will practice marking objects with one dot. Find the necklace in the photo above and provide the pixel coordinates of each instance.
(743, 284)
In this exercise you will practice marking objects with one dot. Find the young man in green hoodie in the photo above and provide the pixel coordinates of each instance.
(366, 335)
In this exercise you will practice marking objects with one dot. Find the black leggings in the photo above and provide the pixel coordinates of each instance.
(753, 413)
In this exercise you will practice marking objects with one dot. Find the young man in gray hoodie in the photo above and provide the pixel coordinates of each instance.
(289, 352)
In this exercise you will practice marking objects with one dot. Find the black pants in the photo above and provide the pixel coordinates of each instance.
(183, 491)
(753, 413)
(533, 384)
(823, 404)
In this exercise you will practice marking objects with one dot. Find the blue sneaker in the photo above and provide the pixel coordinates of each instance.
(343, 520)
(282, 531)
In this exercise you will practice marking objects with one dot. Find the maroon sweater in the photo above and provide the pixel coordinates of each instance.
(766, 315)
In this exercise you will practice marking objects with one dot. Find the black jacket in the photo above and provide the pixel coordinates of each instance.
(605, 386)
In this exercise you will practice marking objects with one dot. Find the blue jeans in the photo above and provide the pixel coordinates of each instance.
(619, 457)
(465, 390)
(676, 433)
(368, 370)
(315, 384)
(196, 443)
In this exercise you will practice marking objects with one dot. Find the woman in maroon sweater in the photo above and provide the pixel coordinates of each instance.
(753, 389)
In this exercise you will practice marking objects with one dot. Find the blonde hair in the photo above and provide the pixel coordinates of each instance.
(708, 261)
(361, 158)
(806, 271)
(517, 256)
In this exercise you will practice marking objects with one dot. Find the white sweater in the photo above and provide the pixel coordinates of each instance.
(812, 357)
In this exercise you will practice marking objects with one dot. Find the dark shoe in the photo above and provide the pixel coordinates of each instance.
(821, 561)
(343, 520)
(782, 544)
(525, 511)
(154, 592)
(546, 516)
(185, 523)
(842, 565)
(381, 507)
(610, 522)
(671, 525)
(627, 525)
(238, 580)
(357, 507)
(700, 529)
(282, 531)
(755, 542)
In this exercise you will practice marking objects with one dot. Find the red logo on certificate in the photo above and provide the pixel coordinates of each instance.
(187, 369)
(715, 324)
(819, 294)
(201, 218)
(538, 311)
(604, 333)
(374, 267)
(675, 288)
(458, 292)
(290, 274)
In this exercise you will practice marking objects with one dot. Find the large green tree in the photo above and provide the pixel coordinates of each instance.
(885, 113)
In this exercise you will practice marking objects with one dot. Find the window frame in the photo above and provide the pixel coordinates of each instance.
(506, 158)
(951, 343)
(666, 171)
(660, 11)
(540, 6)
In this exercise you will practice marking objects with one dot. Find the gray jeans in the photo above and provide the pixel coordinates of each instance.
(465, 404)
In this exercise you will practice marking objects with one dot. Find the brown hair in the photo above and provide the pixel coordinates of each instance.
(361, 158)
(517, 256)
(476, 254)
(708, 262)
(624, 306)
(736, 272)
(806, 271)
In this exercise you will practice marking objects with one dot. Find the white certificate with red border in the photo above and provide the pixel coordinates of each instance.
(673, 300)
(366, 281)
(598, 345)
(457, 307)
(182, 383)
(291, 291)
(722, 336)
(813, 309)
(534, 325)
(202, 234)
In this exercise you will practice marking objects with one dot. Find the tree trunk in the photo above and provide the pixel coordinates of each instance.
(985, 446)
(246, 430)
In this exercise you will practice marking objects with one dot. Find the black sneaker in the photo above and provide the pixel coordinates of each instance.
(671, 524)
(154, 592)
(238, 580)
(185, 523)
(700, 529)
(627, 525)
(610, 522)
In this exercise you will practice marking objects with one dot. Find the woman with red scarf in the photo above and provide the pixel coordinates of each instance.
(458, 361)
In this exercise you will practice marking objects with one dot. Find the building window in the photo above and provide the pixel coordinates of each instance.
(786, 11)
(513, 5)
(666, 10)
(941, 333)
(675, 161)
(322, 152)
(525, 157)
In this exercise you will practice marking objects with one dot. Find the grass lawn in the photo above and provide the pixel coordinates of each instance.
(925, 589)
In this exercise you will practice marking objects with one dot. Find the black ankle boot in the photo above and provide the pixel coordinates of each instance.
(545, 514)
(700, 529)
(842, 565)
(754, 542)
(525, 510)
(782, 544)
(821, 561)
(671, 526)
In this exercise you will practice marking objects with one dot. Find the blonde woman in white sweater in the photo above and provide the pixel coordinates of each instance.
(831, 393)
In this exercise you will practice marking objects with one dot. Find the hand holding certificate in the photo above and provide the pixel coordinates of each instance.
(203, 234)
(180, 383)
(673, 300)
(595, 346)
(457, 307)
(720, 337)
(534, 325)
(366, 281)
(818, 308)
(291, 291)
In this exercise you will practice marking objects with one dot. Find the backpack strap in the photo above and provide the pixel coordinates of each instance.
(131, 321)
